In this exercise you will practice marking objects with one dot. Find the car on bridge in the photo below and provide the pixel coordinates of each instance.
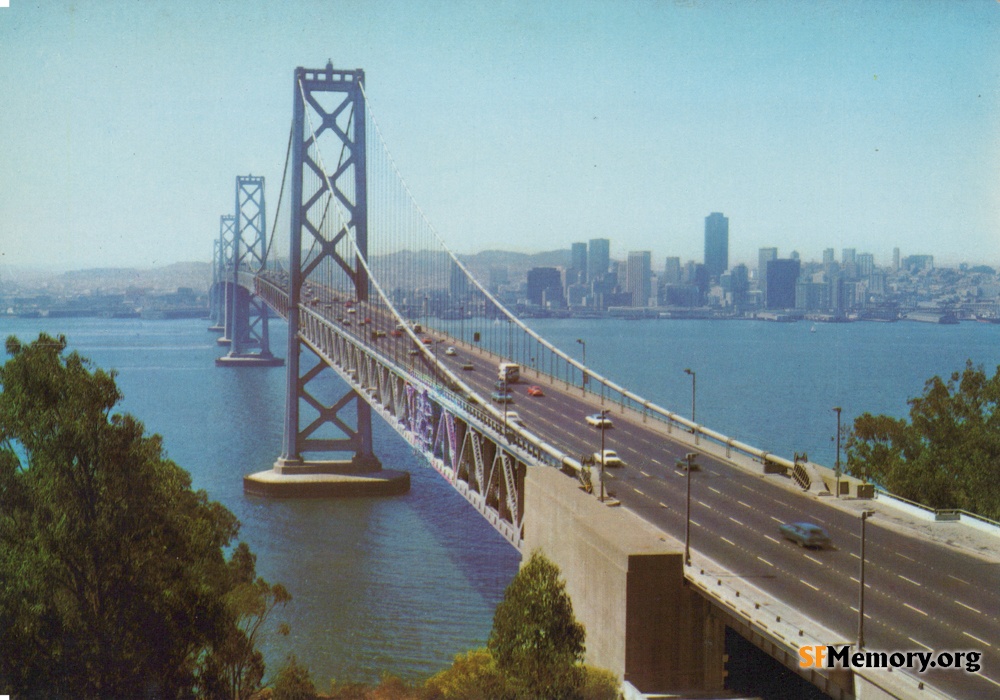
(451, 351)
(501, 397)
(468, 367)
(805, 534)
(513, 417)
(599, 420)
(610, 459)
(535, 390)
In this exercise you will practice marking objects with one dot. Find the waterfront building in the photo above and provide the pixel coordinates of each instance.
(739, 286)
(672, 271)
(638, 273)
(782, 276)
(866, 265)
(545, 286)
(828, 256)
(577, 273)
(764, 256)
(716, 244)
(598, 258)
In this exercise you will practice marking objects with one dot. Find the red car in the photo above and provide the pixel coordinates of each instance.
(427, 341)
(535, 391)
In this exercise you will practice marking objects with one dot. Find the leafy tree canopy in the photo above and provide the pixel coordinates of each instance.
(536, 641)
(113, 579)
(947, 455)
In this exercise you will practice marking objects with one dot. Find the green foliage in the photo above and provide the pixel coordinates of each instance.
(293, 682)
(947, 455)
(536, 642)
(599, 684)
(113, 580)
(472, 676)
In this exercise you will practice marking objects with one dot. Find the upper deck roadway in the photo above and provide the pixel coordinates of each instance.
(920, 595)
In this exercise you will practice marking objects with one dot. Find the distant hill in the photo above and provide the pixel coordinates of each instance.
(197, 275)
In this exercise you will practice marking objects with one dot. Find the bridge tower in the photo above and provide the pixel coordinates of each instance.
(315, 421)
(246, 314)
(223, 259)
(216, 294)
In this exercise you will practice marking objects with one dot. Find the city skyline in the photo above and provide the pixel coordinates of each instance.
(871, 125)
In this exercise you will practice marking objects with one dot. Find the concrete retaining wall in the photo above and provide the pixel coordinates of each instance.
(626, 581)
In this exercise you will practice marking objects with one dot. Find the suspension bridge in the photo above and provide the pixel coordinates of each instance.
(661, 555)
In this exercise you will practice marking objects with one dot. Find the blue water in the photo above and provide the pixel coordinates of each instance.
(401, 585)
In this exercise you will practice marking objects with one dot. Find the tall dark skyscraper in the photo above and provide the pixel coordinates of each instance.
(716, 244)
(598, 258)
(782, 276)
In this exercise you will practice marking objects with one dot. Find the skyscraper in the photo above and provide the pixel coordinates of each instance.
(545, 286)
(578, 264)
(782, 276)
(716, 244)
(598, 258)
(638, 274)
(764, 256)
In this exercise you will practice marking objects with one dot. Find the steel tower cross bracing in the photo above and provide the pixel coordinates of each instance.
(246, 314)
(226, 242)
(344, 123)
(216, 294)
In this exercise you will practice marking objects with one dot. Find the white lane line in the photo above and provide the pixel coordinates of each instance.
(656, 461)
(663, 505)
(808, 584)
(920, 644)
(736, 521)
(905, 557)
(813, 559)
(768, 537)
(990, 680)
(959, 580)
(777, 520)
(638, 491)
(695, 522)
(644, 473)
(978, 612)
(972, 636)
(908, 580)
(765, 561)
(745, 504)
(729, 541)
(916, 609)
(703, 503)
(715, 472)
(710, 488)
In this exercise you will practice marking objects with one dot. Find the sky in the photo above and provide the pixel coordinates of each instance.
(521, 125)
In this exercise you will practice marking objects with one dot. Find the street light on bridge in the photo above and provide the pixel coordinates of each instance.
(584, 344)
(837, 468)
(693, 384)
(689, 458)
(861, 586)
(604, 416)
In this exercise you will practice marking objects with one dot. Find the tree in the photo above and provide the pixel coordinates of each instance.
(112, 571)
(947, 455)
(293, 682)
(536, 641)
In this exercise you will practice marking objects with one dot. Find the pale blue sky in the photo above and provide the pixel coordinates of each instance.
(533, 124)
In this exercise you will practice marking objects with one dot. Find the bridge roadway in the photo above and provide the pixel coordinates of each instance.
(920, 595)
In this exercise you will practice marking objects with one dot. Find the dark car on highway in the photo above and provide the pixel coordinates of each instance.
(805, 534)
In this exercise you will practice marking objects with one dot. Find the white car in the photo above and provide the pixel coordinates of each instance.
(450, 351)
(611, 459)
(514, 417)
(599, 420)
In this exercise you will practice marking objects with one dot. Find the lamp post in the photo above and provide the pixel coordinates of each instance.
(687, 512)
(584, 344)
(694, 381)
(837, 468)
(861, 588)
(603, 418)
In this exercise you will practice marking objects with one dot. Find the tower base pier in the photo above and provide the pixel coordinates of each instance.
(326, 479)
(260, 360)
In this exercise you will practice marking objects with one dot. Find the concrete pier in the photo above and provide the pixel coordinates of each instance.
(249, 361)
(331, 479)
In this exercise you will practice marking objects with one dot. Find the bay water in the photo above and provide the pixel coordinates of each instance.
(400, 585)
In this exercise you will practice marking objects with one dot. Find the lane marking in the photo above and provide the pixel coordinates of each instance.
(768, 537)
(644, 474)
(695, 522)
(710, 488)
(920, 644)
(959, 580)
(703, 503)
(978, 612)
(808, 584)
(916, 610)
(663, 505)
(898, 554)
(765, 561)
(737, 521)
(990, 680)
(777, 520)
(745, 504)
(729, 541)
(638, 491)
(813, 559)
(972, 636)
(908, 580)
